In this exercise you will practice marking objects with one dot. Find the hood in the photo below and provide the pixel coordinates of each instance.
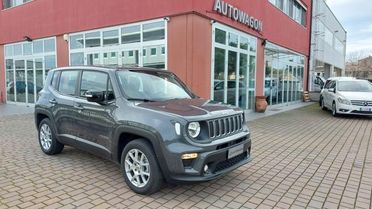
(356, 95)
(191, 107)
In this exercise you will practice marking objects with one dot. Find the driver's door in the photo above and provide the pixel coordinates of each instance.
(95, 121)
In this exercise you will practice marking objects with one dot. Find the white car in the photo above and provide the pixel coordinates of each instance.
(347, 96)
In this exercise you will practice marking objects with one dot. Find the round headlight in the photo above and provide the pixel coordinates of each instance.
(194, 129)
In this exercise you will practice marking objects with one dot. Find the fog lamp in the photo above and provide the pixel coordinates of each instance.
(188, 156)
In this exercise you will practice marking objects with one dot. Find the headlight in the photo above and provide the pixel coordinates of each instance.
(344, 101)
(194, 129)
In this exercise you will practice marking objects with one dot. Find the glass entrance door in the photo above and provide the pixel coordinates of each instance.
(31, 87)
(20, 84)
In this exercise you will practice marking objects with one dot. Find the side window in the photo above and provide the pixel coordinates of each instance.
(55, 78)
(332, 85)
(327, 84)
(67, 82)
(93, 81)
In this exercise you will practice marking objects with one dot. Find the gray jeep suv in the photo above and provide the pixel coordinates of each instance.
(146, 120)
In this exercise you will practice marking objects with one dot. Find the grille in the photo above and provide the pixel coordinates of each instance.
(230, 162)
(361, 103)
(225, 126)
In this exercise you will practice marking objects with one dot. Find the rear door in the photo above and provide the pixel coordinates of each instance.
(95, 121)
(64, 93)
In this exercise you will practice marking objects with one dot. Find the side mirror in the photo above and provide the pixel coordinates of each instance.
(332, 90)
(94, 96)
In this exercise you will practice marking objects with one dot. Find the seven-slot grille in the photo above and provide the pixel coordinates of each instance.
(361, 103)
(225, 126)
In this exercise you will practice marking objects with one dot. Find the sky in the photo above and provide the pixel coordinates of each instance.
(356, 18)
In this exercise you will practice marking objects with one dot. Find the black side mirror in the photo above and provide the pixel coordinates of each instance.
(95, 96)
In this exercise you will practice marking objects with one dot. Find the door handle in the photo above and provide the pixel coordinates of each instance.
(79, 107)
(53, 101)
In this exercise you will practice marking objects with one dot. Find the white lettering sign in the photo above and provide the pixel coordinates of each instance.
(236, 14)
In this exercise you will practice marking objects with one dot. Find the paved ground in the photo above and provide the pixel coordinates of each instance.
(302, 158)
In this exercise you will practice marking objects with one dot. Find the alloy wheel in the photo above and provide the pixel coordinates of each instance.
(137, 168)
(45, 137)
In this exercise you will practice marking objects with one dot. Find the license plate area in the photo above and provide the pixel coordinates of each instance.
(366, 109)
(235, 151)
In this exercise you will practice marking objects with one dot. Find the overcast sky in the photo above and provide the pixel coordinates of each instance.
(356, 17)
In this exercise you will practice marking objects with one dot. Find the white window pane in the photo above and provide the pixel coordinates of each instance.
(76, 41)
(49, 45)
(92, 39)
(110, 37)
(38, 46)
(27, 49)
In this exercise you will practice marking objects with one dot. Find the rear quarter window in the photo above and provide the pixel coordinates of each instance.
(68, 81)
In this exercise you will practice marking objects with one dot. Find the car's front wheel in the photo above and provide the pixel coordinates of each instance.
(47, 138)
(322, 104)
(141, 169)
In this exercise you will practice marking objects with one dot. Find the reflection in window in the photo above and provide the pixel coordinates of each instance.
(220, 36)
(219, 69)
(131, 34)
(67, 82)
(93, 81)
(110, 37)
(92, 39)
(153, 31)
(233, 40)
(156, 60)
(76, 41)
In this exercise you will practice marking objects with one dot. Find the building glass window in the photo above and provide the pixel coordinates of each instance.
(17, 49)
(234, 68)
(77, 41)
(292, 8)
(27, 48)
(131, 34)
(153, 31)
(121, 45)
(283, 75)
(26, 65)
(93, 39)
(110, 37)
(13, 3)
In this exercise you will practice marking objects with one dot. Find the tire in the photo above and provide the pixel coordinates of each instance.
(334, 110)
(322, 104)
(47, 138)
(134, 173)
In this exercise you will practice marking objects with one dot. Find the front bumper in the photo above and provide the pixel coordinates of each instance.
(215, 157)
(354, 109)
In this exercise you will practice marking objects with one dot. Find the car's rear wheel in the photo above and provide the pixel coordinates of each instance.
(334, 109)
(141, 169)
(47, 138)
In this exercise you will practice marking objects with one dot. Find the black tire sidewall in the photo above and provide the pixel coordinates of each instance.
(155, 180)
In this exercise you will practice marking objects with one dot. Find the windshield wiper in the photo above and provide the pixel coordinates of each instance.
(140, 99)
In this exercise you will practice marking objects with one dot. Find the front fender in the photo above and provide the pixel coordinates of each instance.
(143, 131)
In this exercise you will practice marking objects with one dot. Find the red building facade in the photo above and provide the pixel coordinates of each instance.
(230, 51)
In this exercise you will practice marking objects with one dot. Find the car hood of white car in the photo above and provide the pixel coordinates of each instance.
(356, 95)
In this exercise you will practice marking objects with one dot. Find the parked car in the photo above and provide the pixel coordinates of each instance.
(347, 96)
(326, 83)
(146, 120)
(21, 87)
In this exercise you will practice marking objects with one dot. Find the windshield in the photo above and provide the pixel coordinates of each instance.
(357, 86)
(152, 86)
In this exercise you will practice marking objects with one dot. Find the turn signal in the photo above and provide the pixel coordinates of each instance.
(188, 156)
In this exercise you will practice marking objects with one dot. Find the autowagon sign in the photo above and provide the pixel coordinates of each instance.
(236, 14)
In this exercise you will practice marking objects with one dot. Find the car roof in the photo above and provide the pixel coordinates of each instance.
(109, 68)
(340, 78)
